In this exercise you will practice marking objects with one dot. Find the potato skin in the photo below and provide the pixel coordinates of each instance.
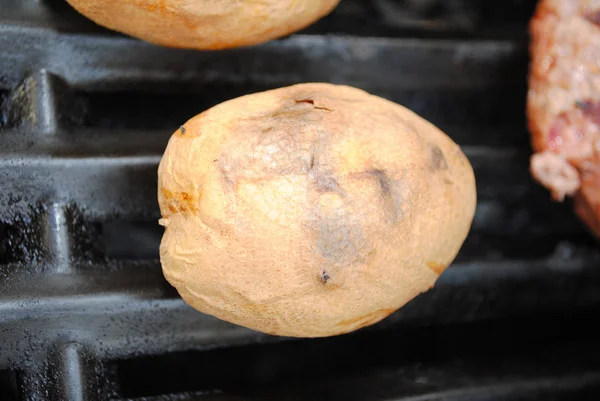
(311, 210)
(205, 24)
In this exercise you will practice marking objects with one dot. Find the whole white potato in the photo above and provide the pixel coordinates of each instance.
(310, 210)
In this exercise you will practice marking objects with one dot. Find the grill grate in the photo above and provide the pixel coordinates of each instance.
(85, 313)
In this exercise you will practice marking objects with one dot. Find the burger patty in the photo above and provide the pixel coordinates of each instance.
(563, 103)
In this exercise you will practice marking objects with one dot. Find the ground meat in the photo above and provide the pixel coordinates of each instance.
(555, 173)
(563, 103)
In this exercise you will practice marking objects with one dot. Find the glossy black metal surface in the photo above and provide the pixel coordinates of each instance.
(85, 313)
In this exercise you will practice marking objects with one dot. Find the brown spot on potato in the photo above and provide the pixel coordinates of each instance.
(367, 319)
(438, 160)
(179, 202)
(155, 6)
(324, 276)
(182, 130)
(437, 268)
(185, 196)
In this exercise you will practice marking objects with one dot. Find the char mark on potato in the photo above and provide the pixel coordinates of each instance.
(390, 191)
(324, 181)
(339, 238)
(324, 276)
(392, 208)
(438, 160)
(383, 179)
(322, 177)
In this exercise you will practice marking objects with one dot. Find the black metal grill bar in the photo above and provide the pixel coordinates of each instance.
(551, 388)
(195, 396)
(56, 238)
(70, 373)
(134, 310)
(404, 364)
(106, 186)
(74, 372)
(34, 103)
(110, 63)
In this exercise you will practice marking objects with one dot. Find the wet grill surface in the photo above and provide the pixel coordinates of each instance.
(85, 313)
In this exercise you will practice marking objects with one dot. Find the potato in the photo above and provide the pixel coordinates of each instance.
(205, 24)
(311, 210)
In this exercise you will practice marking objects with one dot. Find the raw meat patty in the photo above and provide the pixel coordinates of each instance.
(563, 103)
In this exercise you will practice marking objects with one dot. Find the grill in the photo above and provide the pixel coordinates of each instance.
(85, 313)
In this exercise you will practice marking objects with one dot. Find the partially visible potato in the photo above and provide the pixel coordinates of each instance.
(310, 210)
(205, 24)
